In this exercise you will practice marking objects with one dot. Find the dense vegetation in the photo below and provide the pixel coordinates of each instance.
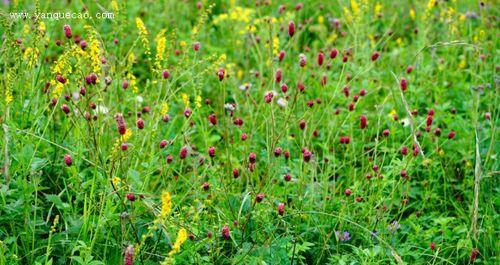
(249, 132)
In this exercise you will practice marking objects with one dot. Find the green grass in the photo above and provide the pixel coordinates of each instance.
(110, 202)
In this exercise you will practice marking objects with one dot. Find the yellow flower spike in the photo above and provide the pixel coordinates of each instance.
(42, 27)
(164, 108)
(197, 101)
(166, 204)
(161, 44)
(321, 19)
(355, 8)
(378, 9)
(185, 99)
(182, 236)
(412, 13)
(143, 33)
(115, 6)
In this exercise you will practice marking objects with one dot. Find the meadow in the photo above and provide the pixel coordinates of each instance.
(249, 132)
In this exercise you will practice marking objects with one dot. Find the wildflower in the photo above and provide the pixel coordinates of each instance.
(226, 234)
(65, 108)
(277, 151)
(347, 192)
(394, 226)
(166, 204)
(236, 173)
(212, 119)
(409, 69)
(252, 158)
(403, 174)
(130, 197)
(278, 75)
(282, 102)
(403, 84)
(183, 153)
(432, 246)
(362, 121)
(196, 46)
(362, 92)
(68, 160)
(238, 122)
(281, 56)
(473, 255)
(343, 236)
(269, 97)
(91, 79)
(161, 43)
(182, 236)
(375, 56)
(451, 135)
(129, 255)
(284, 88)
(281, 209)
(302, 60)
(206, 186)
(245, 86)
(166, 74)
(187, 112)
(323, 80)
(386, 132)
(211, 151)
(345, 140)
(287, 177)
(259, 197)
(300, 86)
(302, 124)
(333, 53)
(163, 143)
(291, 28)
(67, 31)
(143, 33)
(140, 124)
(221, 73)
(307, 155)
(321, 57)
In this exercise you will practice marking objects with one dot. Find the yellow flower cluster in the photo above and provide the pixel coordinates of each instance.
(161, 44)
(238, 13)
(164, 108)
(355, 8)
(182, 236)
(94, 52)
(275, 45)
(42, 28)
(378, 8)
(166, 204)
(201, 21)
(30, 55)
(54, 225)
(123, 139)
(143, 33)
(115, 6)
(185, 99)
(197, 101)
(8, 93)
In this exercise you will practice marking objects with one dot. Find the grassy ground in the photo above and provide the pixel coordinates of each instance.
(249, 132)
